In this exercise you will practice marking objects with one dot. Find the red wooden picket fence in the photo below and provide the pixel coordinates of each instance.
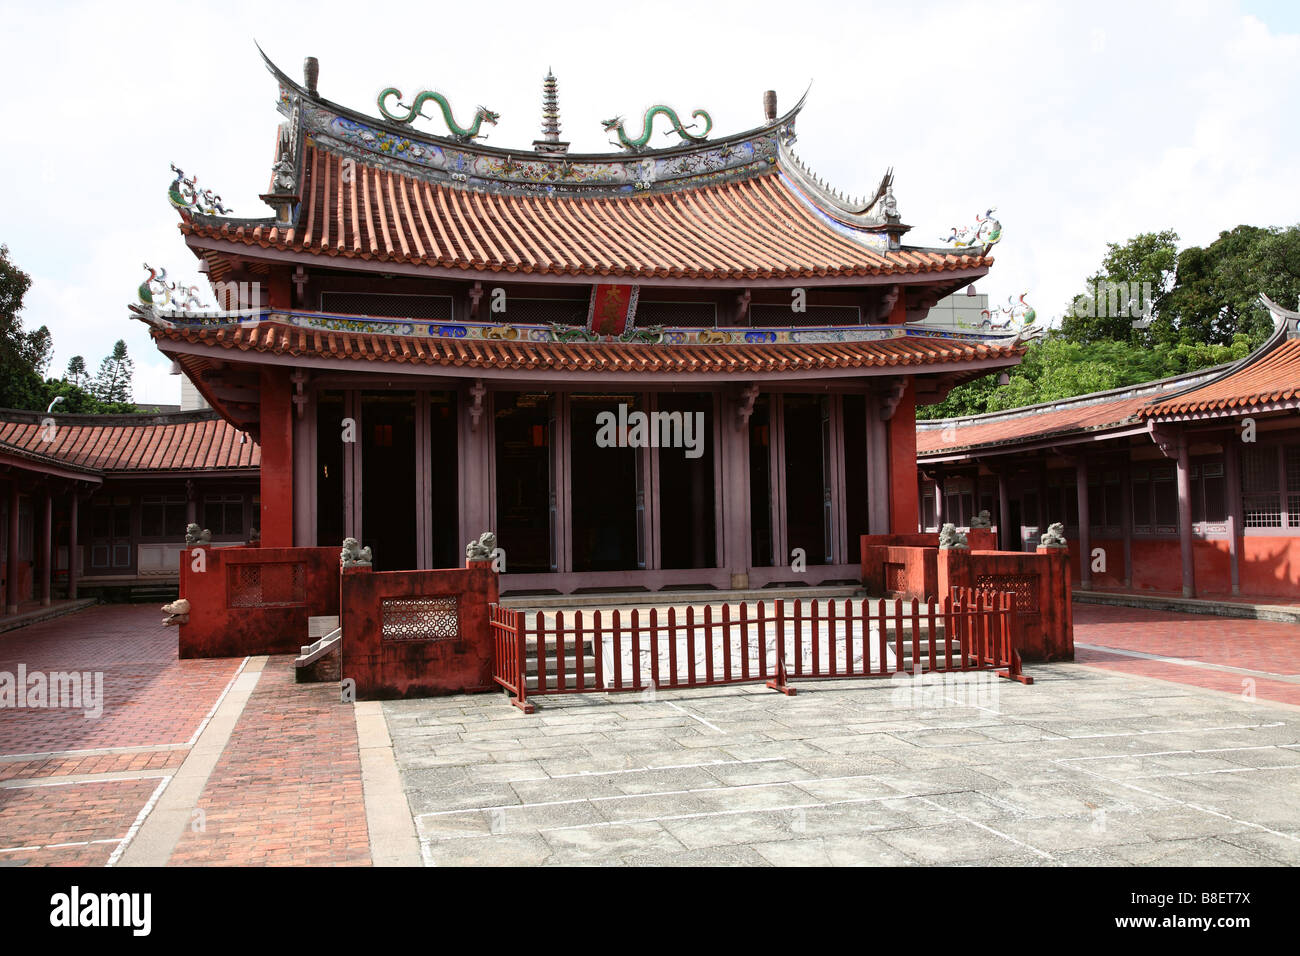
(774, 642)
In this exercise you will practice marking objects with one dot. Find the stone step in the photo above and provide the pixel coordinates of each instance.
(311, 653)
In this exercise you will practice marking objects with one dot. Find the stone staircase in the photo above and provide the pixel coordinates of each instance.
(321, 660)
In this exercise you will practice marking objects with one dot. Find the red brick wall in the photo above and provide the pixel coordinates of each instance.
(1269, 566)
(222, 624)
(386, 668)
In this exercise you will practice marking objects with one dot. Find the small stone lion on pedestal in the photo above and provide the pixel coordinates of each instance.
(195, 537)
(482, 549)
(950, 537)
(1054, 536)
(982, 520)
(354, 556)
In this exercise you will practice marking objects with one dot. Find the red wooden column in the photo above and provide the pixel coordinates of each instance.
(47, 548)
(72, 545)
(276, 438)
(903, 502)
(1004, 511)
(11, 568)
(1085, 523)
(1232, 487)
(733, 429)
(938, 498)
(1126, 518)
(1185, 516)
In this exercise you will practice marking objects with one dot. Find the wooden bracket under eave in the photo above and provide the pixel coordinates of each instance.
(475, 297)
(892, 395)
(299, 379)
(476, 392)
(745, 409)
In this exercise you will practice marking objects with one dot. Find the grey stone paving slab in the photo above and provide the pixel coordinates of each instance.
(1085, 768)
(948, 843)
(609, 844)
(1203, 852)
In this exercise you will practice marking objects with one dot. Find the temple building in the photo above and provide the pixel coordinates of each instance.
(691, 366)
(97, 505)
(1187, 486)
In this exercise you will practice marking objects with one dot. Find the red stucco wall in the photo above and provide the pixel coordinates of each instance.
(220, 627)
(385, 668)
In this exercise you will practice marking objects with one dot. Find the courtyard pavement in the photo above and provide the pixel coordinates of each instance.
(1174, 739)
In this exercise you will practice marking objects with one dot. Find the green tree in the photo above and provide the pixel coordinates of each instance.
(1115, 295)
(76, 373)
(77, 400)
(20, 381)
(1057, 368)
(1216, 295)
(113, 381)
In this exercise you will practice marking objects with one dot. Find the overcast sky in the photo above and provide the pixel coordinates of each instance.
(1082, 123)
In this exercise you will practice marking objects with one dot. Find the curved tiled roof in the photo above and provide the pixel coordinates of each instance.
(759, 227)
(283, 339)
(1041, 423)
(1273, 378)
(1077, 416)
(193, 441)
(1266, 380)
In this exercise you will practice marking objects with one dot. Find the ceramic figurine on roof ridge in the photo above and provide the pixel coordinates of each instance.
(985, 232)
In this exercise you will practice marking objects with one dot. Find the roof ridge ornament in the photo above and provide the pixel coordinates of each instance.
(156, 293)
(985, 232)
(550, 142)
(636, 145)
(1018, 313)
(464, 134)
(185, 195)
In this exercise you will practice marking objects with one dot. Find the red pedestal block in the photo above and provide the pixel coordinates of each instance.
(254, 600)
(418, 633)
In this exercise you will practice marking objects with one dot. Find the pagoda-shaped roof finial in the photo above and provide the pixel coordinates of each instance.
(550, 141)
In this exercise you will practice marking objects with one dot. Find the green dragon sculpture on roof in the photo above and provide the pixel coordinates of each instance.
(615, 125)
(464, 134)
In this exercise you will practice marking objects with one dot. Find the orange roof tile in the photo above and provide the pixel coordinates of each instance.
(1273, 378)
(184, 442)
(1017, 425)
(758, 227)
(283, 339)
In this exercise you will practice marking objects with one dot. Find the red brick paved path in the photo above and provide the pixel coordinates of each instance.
(150, 697)
(287, 789)
(1255, 645)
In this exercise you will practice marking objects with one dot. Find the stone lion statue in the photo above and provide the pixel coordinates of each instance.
(1053, 537)
(982, 520)
(481, 550)
(354, 556)
(193, 536)
(178, 612)
(950, 537)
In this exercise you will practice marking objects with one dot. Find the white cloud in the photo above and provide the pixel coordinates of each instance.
(1082, 124)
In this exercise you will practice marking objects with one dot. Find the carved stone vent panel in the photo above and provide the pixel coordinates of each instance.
(420, 619)
(895, 578)
(267, 585)
(1023, 586)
